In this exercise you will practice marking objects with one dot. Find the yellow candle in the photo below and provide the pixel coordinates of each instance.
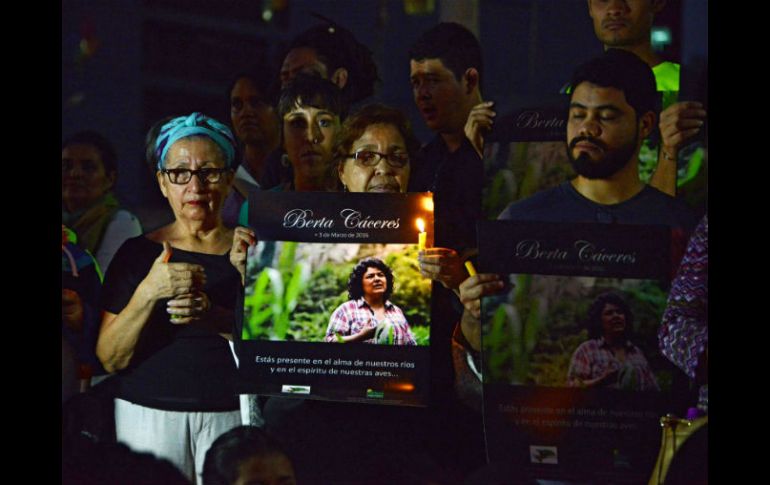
(470, 268)
(421, 237)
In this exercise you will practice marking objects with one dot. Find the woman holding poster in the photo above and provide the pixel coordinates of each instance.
(369, 316)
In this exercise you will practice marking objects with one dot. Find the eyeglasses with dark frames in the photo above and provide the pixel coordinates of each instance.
(182, 176)
(369, 158)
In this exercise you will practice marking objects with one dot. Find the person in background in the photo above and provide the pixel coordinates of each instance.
(89, 170)
(247, 455)
(627, 25)
(258, 131)
(81, 284)
(332, 52)
(312, 110)
(446, 69)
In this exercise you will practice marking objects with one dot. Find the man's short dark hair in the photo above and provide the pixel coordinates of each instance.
(622, 70)
(456, 47)
(356, 280)
(336, 47)
(594, 318)
(227, 453)
(98, 141)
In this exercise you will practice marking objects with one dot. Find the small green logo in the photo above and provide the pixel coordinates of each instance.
(295, 389)
(375, 394)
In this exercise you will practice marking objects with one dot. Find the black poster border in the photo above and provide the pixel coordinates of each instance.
(582, 453)
(352, 372)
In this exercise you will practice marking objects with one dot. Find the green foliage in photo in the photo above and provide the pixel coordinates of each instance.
(275, 295)
(529, 340)
(277, 314)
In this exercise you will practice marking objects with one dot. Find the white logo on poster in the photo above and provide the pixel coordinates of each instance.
(544, 454)
(289, 389)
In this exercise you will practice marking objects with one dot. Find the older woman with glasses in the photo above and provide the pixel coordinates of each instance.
(373, 150)
(168, 302)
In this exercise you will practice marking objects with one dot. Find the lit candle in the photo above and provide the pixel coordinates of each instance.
(422, 235)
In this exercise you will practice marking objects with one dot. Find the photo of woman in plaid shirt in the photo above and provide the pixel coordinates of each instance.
(369, 316)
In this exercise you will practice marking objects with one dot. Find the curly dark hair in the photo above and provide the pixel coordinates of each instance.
(355, 281)
(593, 320)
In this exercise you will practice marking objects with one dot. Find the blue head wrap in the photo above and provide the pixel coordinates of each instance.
(196, 124)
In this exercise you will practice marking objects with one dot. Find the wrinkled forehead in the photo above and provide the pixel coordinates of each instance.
(386, 134)
(199, 148)
(373, 270)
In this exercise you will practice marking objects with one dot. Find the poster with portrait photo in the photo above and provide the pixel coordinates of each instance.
(574, 383)
(335, 307)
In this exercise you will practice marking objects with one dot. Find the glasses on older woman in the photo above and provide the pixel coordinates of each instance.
(181, 176)
(370, 158)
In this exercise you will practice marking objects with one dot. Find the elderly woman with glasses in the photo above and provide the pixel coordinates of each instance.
(373, 150)
(168, 301)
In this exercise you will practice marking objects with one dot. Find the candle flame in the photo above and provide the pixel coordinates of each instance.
(420, 224)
